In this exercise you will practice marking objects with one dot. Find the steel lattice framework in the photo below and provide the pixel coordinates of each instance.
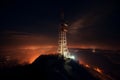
(62, 42)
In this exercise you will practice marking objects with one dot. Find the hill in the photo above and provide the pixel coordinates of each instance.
(48, 67)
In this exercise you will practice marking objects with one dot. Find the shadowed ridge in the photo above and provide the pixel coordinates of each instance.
(57, 68)
(48, 67)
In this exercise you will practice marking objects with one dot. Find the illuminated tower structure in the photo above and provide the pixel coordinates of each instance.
(62, 42)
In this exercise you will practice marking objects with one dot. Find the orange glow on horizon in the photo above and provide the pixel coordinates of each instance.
(33, 58)
(38, 50)
(27, 54)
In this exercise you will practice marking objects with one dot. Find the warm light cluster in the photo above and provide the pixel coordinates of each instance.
(27, 54)
(37, 51)
(98, 70)
(87, 66)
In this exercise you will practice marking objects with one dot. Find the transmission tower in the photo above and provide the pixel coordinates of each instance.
(62, 42)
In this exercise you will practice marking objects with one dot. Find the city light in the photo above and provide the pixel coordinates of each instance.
(87, 66)
(98, 70)
(72, 57)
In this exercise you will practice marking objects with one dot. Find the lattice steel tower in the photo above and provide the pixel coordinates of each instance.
(62, 42)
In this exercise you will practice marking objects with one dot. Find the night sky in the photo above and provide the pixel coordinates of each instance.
(27, 24)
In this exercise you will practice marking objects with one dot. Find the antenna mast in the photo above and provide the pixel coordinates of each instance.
(62, 42)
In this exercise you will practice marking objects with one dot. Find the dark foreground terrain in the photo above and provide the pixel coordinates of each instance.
(48, 67)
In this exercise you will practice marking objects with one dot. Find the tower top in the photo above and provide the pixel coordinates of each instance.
(62, 16)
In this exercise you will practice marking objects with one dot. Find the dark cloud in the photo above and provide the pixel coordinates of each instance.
(96, 28)
(23, 38)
